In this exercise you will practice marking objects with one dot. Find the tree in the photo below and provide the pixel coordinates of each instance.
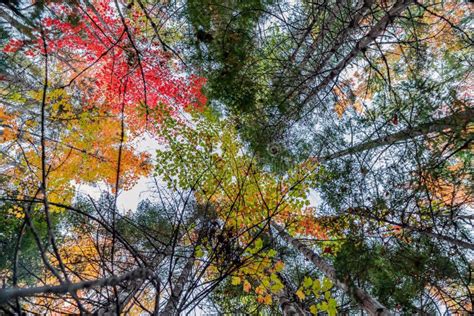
(308, 157)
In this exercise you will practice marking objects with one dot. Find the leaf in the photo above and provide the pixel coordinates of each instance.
(274, 277)
(247, 286)
(307, 282)
(323, 306)
(279, 266)
(327, 295)
(258, 244)
(277, 287)
(300, 294)
(260, 290)
(326, 284)
(199, 252)
(272, 253)
(268, 299)
(316, 287)
(313, 309)
(235, 280)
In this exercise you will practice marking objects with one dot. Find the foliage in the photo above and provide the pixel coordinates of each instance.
(285, 157)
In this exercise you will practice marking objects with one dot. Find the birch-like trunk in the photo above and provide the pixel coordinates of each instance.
(362, 212)
(454, 121)
(365, 301)
(288, 305)
(171, 308)
(398, 7)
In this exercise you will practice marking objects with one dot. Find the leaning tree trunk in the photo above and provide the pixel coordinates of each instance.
(455, 121)
(367, 302)
(68, 287)
(362, 212)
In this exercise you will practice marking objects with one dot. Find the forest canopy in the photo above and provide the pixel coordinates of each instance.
(258, 157)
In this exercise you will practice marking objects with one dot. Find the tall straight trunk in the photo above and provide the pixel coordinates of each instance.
(342, 37)
(365, 301)
(398, 7)
(128, 293)
(353, 24)
(454, 121)
(171, 308)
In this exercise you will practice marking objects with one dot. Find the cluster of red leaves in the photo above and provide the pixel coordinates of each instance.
(112, 63)
(13, 46)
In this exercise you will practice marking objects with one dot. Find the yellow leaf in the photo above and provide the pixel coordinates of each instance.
(235, 280)
(300, 294)
(327, 295)
(268, 299)
(313, 309)
(277, 287)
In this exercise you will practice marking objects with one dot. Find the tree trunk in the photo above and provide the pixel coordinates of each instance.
(362, 212)
(361, 45)
(341, 38)
(288, 305)
(171, 307)
(368, 303)
(454, 121)
(68, 287)
(339, 41)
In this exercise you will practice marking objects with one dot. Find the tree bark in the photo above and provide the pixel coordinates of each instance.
(365, 301)
(67, 287)
(339, 41)
(361, 45)
(454, 121)
(363, 212)
(288, 305)
(171, 307)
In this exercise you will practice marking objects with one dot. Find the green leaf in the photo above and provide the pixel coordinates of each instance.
(199, 252)
(272, 253)
(276, 288)
(307, 282)
(327, 295)
(316, 287)
(258, 244)
(323, 306)
(274, 277)
(326, 284)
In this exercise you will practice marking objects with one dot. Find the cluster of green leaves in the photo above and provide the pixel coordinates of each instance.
(396, 274)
